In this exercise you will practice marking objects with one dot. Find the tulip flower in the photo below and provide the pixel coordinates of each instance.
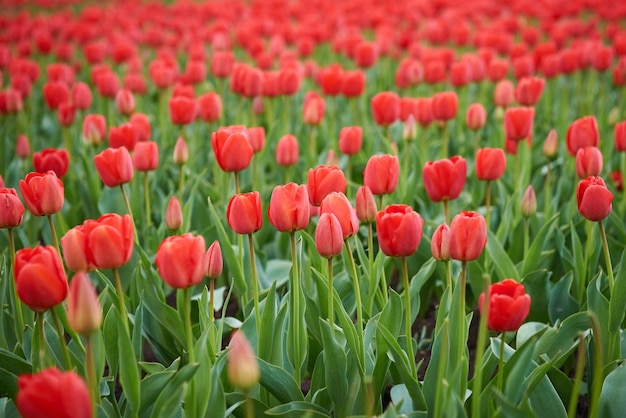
(385, 108)
(232, 149)
(22, 147)
(124, 135)
(399, 230)
(181, 151)
(11, 208)
(313, 109)
(381, 174)
(518, 122)
(503, 94)
(40, 279)
(52, 159)
(352, 83)
(444, 179)
(528, 90)
(594, 199)
(141, 124)
(94, 129)
(84, 313)
(468, 236)
(52, 393)
(476, 116)
(588, 162)
(43, 193)
(210, 107)
(66, 113)
(323, 180)
(181, 260)
(214, 260)
(173, 214)
(620, 136)
(350, 140)
(289, 207)
(328, 236)
(529, 202)
(440, 243)
(115, 166)
(244, 213)
(551, 145)
(256, 135)
(365, 205)
(509, 306)
(287, 151)
(243, 368)
(125, 102)
(146, 156)
(582, 133)
(55, 93)
(182, 110)
(490, 163)
(445, 106)
(81, 96)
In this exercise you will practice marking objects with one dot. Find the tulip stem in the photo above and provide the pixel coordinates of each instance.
(190, 404)
(42, 341)
(295, 314)
(67, 143)
(236, 174)
(212, 300)
(449, 281)
(480, 349)
(501, 363)
(17, 303)
(578, 376)
(130, 212)
(526, 235)
(586, 255)
(598, 363)
(146, 195)
(445, 140)
(312, 145)
(120, 296)
(408, 318)
(331, 311)
(607, 257)
(61, 333)
(446, 211)
(53, 231)
(90, 367)
(255, 284)
(548, 192)
(249, 413)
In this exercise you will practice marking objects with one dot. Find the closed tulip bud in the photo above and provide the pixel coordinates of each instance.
(444, 179)
(181, 151)
(287, 151)
(350, 140)
(503, 94)
(468, 236)
(332, 158)
(66, 114)
(22, 147)
(289, 207)
(52, 159)
(381, 174)
(424, 109)
(399, 230)
(52, 393)
(385, 108)
(55, 93)
(214, 260)
(124, 135)
(181, 260)
(409, 129)
(232, 148)
(81, 96)
(528, 90)
(40, 279)
(440, 243)
(352, 83)
(518, 122)
(244, 213)
(588, 162)
(146, 156)
(11, 208)
(509, 306)
(551, 145)
(490, 163)
(620, 136)
(243, 368)
(182, 110)
(141, 124)
(613, 116)
(84, 313)
(476, 116)
(328, 236)
(94, 129)
(115, 166)
(323, 180)
(256, 135)
(125, 102)
(594, 199)
(445, 105)
(174, 214)
(313, 109)
(338, 204)
(365, 205)
(529, 202)
(582, 133)
(43, 193)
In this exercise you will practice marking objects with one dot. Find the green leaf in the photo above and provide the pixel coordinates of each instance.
(165, 315)
(336, 366)
(279, 383)
(169, 402)
(612, 399)
(617, 304)
(298, 409)
(129, 370)
(500, 258)
(562, 304)
(151, 387)
(534, 252)
(109, 333)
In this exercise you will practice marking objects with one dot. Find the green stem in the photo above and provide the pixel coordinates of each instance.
(607, 257)
(90, 367)
(331, 311)
(526, 236)
(547, 192)
(312, 145)
(295, 317)
(446, 211)
(488, 204)
(598, 363)
(249, 406)
(212, 300)
(578, 377)
(480, 349)
(236, 175)
(53, 231)
(181, 182)
(462, 321)
(190, 404)
(623, 172)
(583, 274)
(407, 317)
(42, 341)
(130, 211)
(501, 364)
(58, 326)
(120, 296)
(146, 196)
(255, 284)
(17, 302)
(449, 281)
(445, 140)
(67, 143)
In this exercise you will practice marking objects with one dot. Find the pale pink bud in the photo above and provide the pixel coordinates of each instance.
(174, 214)
(243, 368)
(84, 313)
(440, 243)
(365, 205)
(529, 202)
(551, 145)
(214, 260)
(181, 152)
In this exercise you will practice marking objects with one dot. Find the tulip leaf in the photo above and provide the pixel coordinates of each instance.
(298, 409)
(169, 401)
(561, 304)
(336, 364)
(534, 252)
(279, 383)
(617, 304)
(110, 328)
(500, 258)
(165, 315)
(612, 399)
(228, 252)
(129, 370)
(151, 387)
(237, 402)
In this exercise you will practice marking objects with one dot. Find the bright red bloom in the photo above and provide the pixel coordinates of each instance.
(124, 135)
(381, 174)
(141, 124)
(11, 208)
(40, 279)
(181, 260)
(214, 260)
(509, 306)
(222, 63)
(385, 108)
(94, 128)
(182, 110)
(232, 148)
(330, 79)
(22, 147)
(620, 136)
(588, 162)
(244, 213)
(43, 193)
(399, 230)
(490, 163)
(444, 179)
(440, 243)
(146, 156)
(350, 140)
(594, 199)
(328, 236)
(353, 83)
(115, 166)
(287, 151)
(313, 109)
(582, 133)
(53, 394)
(54, 159)
(66, 113)
(445, 105)
(338, 204)
(55, 93)
(125, 102)
(256, 135)
(518, 122)
(323, 180)
(468, 236)
(289, 207)
(424, 109)
(503, 94)
(210, 107)
(528, 90)
(476, 116)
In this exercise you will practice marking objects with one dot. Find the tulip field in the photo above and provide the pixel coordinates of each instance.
(316, 209)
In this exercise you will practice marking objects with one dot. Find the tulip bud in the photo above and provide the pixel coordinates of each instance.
(594, 199)
(22, 147)
(350, 140)
(588, 162)
(613, 116)
(125, 102)
(476, 116)
(287, 151)
(409, 129)
(620, 136)
(174, 214)
(468, 236)
(529, 202)
(11, 208)
(84, 313)
(551, 145)
(440, 243)
(328, 236)
(365, 205)
(214, 260)
(509, 305)
(181, 152)
(332, 159)
(243, 369)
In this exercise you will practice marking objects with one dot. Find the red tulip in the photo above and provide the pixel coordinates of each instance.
(125, 102)
(84, 313)
(399, 230)
(503, 94)
(22, 147)
(330, 79)
(445, 179)
(244, 213)
(381, 174)
(313, 109)
(328, 236)
(66, 114)
(146, 156)
(287, 151)
(365, 205)
(582, 133)
(352, 83)
(222, 63)
(588, 162)
(43, 193)
(445, 105)
(323, 180)
(476, 116)
(52, 159)
(214, 260)
(11, 208)
(528, 90)
(617, 180)
(141, 124)
(509, 306)
(173, 214)
(490, 163)
(210, 107)
(181, 260)
(440, 243)
(468, 236)
(94, 129)
(55, 93)
(232, 148)
(594, 199)
(53, 394)
(124, 135)
(40, 279)
(350, 140)
(424, 109)
(289, 207)
(620, 136)
(518, 122)
(256, 135)
(338, 204)
(385, 108)
(114, 166)
(182, 110)
(81, 96)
